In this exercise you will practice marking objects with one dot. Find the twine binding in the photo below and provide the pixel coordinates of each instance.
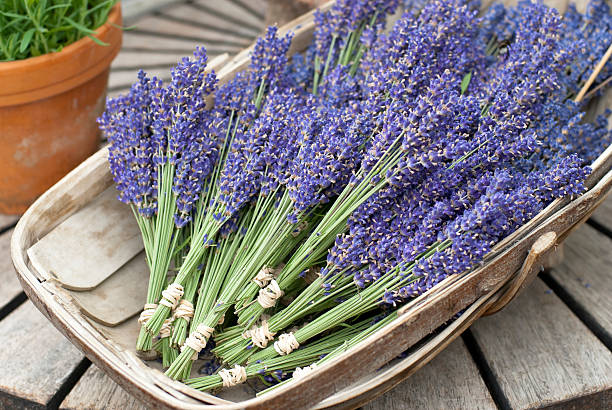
(286, 344)
(172, 295)
(166, 330)
(197, 339)
(261, 335)
(147, 313)
(232, 377)
(184, 310)
(267, 296)
(301, 372)
(264, 276)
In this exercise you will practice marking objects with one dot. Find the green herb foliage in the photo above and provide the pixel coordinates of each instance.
(29, 28)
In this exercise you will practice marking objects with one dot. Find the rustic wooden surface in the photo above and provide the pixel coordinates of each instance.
(102, 248)
(96, 387)
(551, 346)
(450, 381)
(540, 353)
(36, 360)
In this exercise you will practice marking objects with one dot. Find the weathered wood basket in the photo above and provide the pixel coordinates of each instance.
(79, 257)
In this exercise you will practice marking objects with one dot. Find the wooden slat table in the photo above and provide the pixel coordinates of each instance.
(549, 347)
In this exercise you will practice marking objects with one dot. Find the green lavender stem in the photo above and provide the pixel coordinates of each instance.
(353, 341)
(364, 301)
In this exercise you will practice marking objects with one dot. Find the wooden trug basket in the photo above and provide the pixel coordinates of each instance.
(78, 255)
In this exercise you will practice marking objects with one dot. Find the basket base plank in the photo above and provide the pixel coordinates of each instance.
(90, 245)
(119, 297)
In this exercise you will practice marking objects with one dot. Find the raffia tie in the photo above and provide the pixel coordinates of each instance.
(261, 335)
(172, 295)
(264, 276)
(296, 232)
(147, 313)
(268, 295)
(184, 310)
(286, 344)
(232, 377)
(166, 330)
(300, 372)
(197, 339)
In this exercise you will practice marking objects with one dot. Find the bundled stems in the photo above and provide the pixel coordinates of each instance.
(164, 243)
(302, 357)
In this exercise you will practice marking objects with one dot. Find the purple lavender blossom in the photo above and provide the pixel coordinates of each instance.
(126, 122)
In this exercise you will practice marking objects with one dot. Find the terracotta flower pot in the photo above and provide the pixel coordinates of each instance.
(48, 110)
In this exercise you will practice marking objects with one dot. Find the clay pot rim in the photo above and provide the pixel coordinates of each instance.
(65, 74)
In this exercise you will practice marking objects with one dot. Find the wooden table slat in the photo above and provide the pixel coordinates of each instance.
(95, 390)
(135, 60)
(144, 40)
(194, 16)
(36, 359)
(177, 29)
(228, 12)
(603, 214)
(586, 274)
(541, 354)
(450, 381)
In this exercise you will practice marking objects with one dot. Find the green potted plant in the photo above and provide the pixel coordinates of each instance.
(54, 64)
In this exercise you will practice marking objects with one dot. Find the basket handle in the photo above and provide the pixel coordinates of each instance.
(533, 264)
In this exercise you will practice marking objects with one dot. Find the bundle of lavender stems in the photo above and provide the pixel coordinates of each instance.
(289, 220)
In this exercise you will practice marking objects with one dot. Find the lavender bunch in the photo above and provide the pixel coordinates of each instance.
(338, 32)
(255, 173)
(508, 202)
(235, 262)
(447, 165)
(163, 147)
(383, 152)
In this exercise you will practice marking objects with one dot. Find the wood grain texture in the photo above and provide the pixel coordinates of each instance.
(226, 11)
(586, 274)
(95, 390)
(169, 27)
(541, 354)
(132, 10)
(603, 214)
(90, 245)
(120, 81)
(146, 40)
(36, 359)
(450, 381)
(255, 8)
(198, 17)
(9, 285)
(136, 60)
